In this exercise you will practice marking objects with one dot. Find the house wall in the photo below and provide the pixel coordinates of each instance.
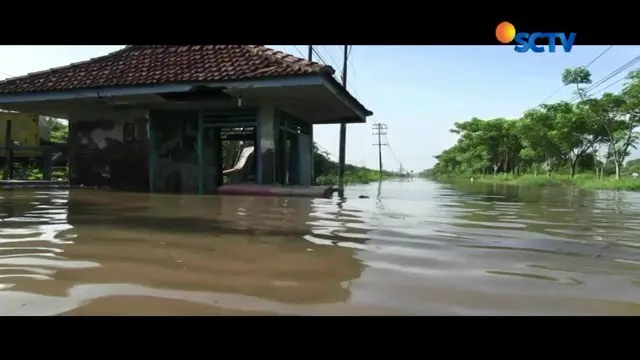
(24, 132)
(174, 134)
(267, 144)
(100, 155)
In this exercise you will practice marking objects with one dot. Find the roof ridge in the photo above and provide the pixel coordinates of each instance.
(132, 65)
(290, 60)
(276, 55)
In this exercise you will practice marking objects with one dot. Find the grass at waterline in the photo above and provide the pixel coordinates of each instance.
(351, 177)
(583, 181)
(31, 173)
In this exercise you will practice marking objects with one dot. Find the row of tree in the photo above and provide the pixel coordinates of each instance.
(594, 133)
(323, 165)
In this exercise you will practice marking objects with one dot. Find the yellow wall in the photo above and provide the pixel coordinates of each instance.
(24, 129)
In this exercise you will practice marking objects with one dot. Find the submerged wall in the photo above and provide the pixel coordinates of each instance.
(175, 151)
(109, 149)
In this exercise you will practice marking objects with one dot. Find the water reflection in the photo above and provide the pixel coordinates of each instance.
(412, 247)
(33, 232)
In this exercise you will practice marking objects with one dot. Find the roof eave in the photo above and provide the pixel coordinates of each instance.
(312, 79)
(338, 89)
(113, 91)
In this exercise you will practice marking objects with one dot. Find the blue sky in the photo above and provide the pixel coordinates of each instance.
(418, 91)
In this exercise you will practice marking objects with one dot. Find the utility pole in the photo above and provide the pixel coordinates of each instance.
(312, 156)
(379, 129)
(342, 154)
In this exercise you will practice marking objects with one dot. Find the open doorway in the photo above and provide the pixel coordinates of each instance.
(238, 155)
(228, 156)
(190, 156)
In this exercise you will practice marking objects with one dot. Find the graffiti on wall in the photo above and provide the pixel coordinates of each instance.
(110, 151)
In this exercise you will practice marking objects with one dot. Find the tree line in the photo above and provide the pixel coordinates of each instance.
(593, 134)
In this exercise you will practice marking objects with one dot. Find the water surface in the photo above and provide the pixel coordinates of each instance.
(413, 247)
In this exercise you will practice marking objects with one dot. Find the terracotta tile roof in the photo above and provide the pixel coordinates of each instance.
(155, 64)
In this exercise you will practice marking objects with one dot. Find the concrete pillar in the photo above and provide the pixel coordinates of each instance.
(311, 155)
(47, 162)
(266, 138)
(294, 160)
(305, 159)
(72, 143)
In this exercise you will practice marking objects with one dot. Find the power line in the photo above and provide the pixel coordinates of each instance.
(611, 75)
(339, 69)
(614, 73)
(9, 76)
(610, 85)
(322, 52)
(363, 161)
(393, 154)
(552, 95)
(333, 61)
(299, 52)
(598, 57)
(326, 151)
(586, 67)
(354, 75)
(315, 51)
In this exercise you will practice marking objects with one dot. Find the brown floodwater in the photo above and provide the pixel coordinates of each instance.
(411, 248)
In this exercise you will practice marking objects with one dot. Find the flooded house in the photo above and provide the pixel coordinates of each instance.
(25, 142)
(187, 118)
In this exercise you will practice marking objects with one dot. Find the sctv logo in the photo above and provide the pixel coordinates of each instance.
(506, 33)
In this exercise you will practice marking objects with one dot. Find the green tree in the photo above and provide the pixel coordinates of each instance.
(595, 134)
(577, 76)
(538, 146)
(58, 130)
(609, 112)
(575, 130)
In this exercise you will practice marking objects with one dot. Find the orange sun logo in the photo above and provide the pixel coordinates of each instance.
(505, 32)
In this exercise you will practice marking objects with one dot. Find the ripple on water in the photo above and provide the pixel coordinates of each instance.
(410, 248)
(31, 243)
